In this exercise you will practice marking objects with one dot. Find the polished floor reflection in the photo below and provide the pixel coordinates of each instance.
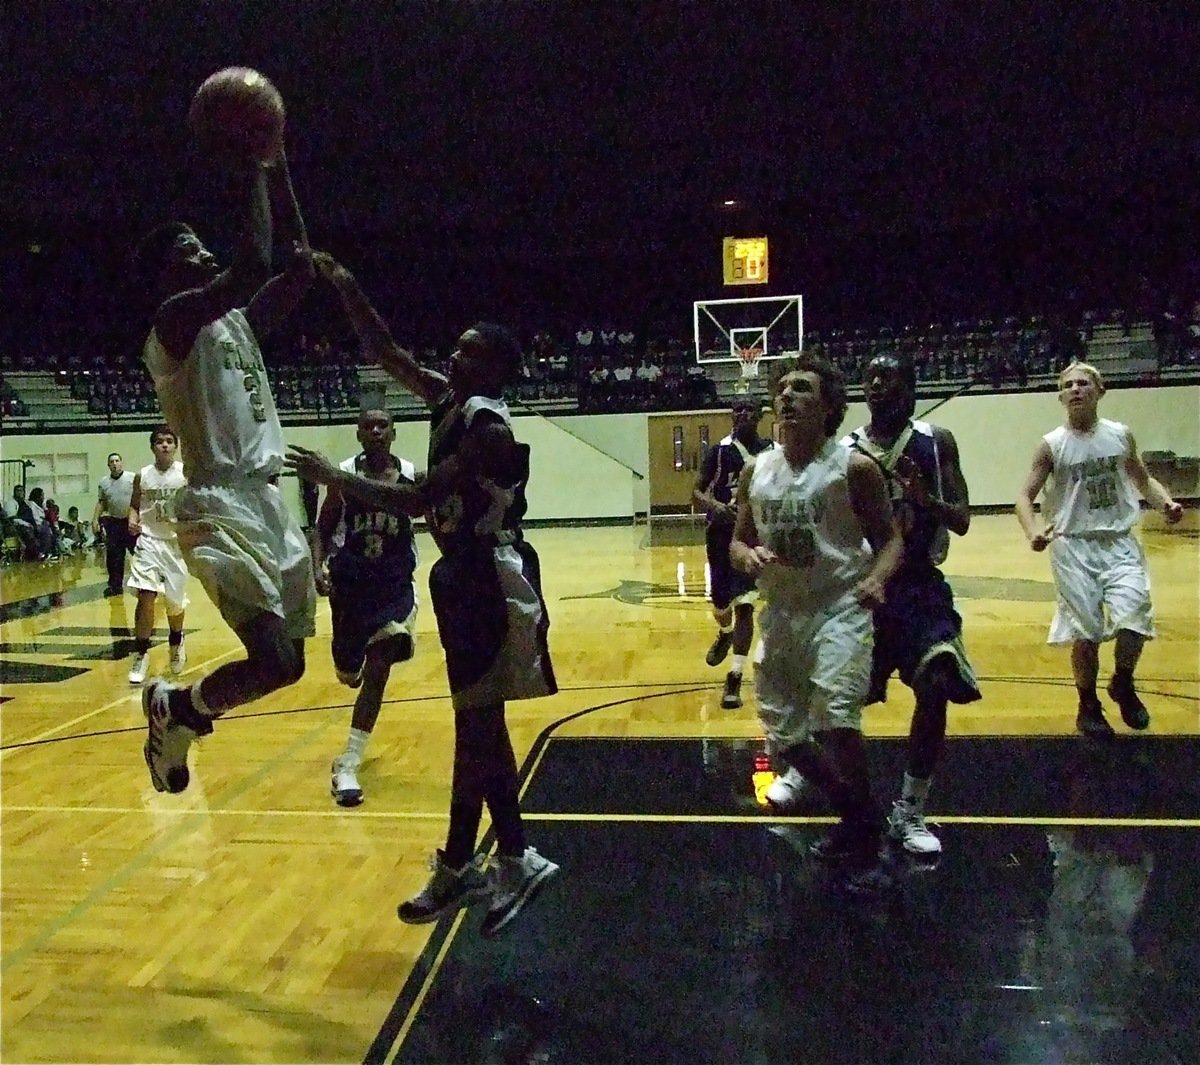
(1057, 926)
(251, 919)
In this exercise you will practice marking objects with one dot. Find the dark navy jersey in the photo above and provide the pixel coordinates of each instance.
(723, 465)
(481, 510)
(377, 543)
(926, 540)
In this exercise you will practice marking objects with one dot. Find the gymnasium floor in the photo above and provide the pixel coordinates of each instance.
(251, 920)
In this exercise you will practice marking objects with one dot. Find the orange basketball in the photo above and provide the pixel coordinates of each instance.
(238, 107)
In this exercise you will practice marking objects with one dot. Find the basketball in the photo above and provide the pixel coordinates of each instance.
(238, 108)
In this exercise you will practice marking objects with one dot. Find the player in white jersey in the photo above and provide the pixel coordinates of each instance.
(237, 535)
(158, 567)
(815, 527)
(1092, 473)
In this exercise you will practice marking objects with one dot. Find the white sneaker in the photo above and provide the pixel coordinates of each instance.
(141, 664)
(344, 785)
(167, 741)
(515, 881)
(178, 658)
(906, 825)
(785, 793)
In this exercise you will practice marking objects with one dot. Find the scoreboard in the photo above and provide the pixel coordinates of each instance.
(745, 260)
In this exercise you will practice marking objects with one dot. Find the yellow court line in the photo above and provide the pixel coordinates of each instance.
(106, 707)
(733, 819)
(160, 810)
(694, 819)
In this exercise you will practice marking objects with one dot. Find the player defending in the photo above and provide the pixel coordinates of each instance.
(369, 580)
(804, 509)
(158, 567)
(1092, 473)
(732, 590)
(917, 630)
(237, 534)
(486, 591)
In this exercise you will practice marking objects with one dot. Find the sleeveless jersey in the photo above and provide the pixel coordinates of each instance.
(1089, 490)
(805, 517)
(731, 458)
(376, 544)
(484, 511)
(159, 488)
(926, 540)
(219, 403)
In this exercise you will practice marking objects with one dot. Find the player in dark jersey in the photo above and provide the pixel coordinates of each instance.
(369, 580)
(917, 630)
(486, 592)
(732, 590)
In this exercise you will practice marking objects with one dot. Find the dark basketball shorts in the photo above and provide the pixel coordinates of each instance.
(917, 624)
(364, 611)
(493, 624)
(728, 585)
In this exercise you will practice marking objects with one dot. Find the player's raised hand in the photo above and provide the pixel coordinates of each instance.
(329, 268)
(912, 480)
(869, 592)
(311, 465)
(1173, 512)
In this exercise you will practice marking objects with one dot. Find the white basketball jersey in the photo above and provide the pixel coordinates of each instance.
(219, 403)
(1089, 489)
(805, 517)
(159, 488)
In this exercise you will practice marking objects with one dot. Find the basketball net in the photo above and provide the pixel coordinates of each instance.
(748, 360)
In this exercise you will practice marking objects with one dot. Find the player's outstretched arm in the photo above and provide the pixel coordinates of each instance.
(1038, 533)
(873, 507)
(409, 499)
(375, 336)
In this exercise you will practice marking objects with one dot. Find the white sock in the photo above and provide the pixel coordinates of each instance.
(737, 664)
(725, 630)
(915, 791)
(356, 743)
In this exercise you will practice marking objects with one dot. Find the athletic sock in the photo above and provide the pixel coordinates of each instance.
(174, 638)
(356, 743)
(141, 646)
(915, 791)
(737, 664)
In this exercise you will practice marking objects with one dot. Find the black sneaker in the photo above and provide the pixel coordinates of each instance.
(720, 648)
(1133, 710)
(732, 698)
(448, 890)
(1091, 720)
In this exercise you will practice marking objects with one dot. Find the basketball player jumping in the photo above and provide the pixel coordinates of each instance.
(486, 591)
(364, 559)
(237, 535)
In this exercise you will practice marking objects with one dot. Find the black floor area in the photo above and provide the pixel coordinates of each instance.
(723, 941)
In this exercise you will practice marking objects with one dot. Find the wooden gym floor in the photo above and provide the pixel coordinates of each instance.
(252, 920)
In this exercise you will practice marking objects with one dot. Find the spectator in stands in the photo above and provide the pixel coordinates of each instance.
(43, 534)
(20, 517)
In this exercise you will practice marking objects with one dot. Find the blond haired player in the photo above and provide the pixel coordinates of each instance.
(158, 567)
(1092, 473)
